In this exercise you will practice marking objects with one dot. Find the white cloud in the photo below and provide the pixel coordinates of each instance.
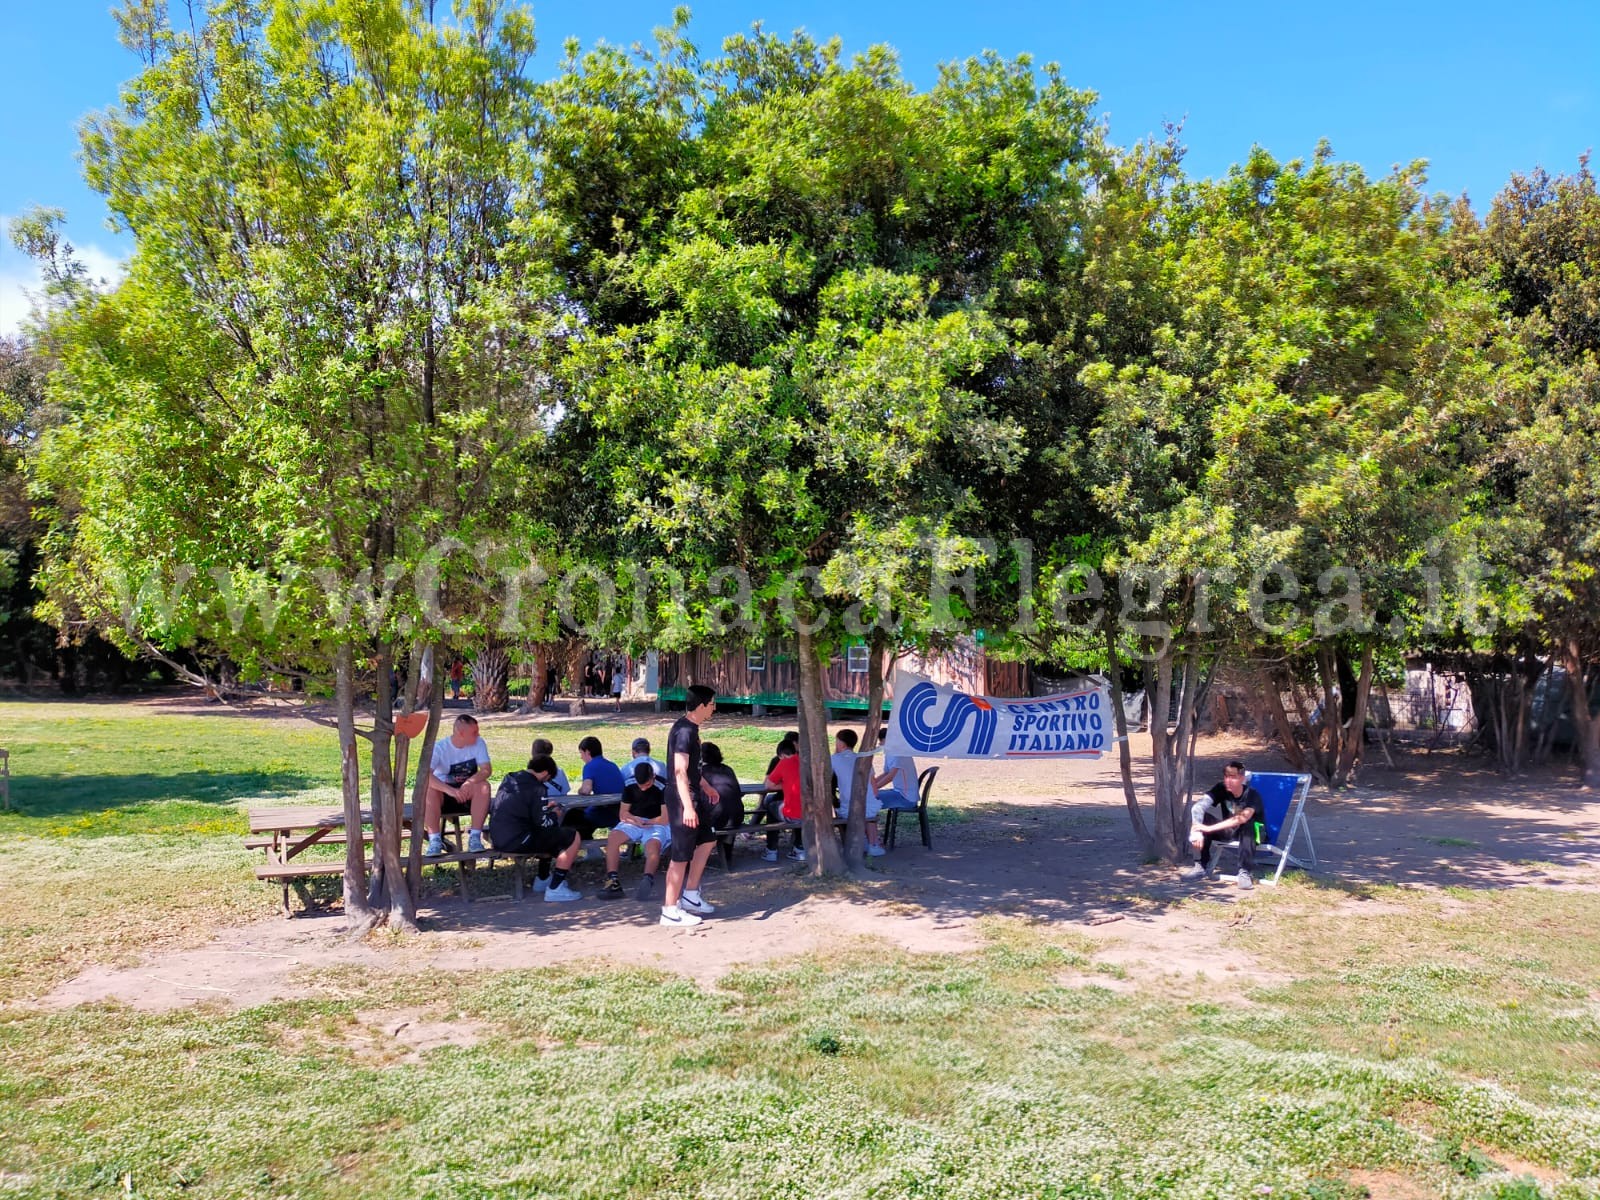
(14, 286)
(19, 276)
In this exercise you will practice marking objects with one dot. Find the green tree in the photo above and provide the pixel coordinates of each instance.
(1277, 371)
(1540, 247)
(320, 382)
(802, 361)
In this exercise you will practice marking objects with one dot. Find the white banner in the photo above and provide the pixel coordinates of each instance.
(933, 720)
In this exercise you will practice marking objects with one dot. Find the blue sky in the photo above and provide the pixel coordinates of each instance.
(1478, 90)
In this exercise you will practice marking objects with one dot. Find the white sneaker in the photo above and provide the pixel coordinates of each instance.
(540, 885)
(1245, 882)
(475, 842)
(677, 918)
(693, 903)
(561, 894)
(769, 856)
(797, 855)
(876, 852)
(1193, 874)
(435, 845)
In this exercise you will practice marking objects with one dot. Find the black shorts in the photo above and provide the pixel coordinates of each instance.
(684, 839)
(451, 806)
(728, 813)
(542, 840)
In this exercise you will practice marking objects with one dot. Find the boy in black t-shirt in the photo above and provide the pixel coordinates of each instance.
(1230, 809)
(689, 806)
(641, 819)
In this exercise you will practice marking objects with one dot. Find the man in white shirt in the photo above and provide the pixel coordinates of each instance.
(844, 774)
(458, 783)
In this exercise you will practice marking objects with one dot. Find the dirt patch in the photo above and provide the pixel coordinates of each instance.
(385, 1038)
(269, 960)
(1173, 948)
(1391, 1185)
(1517, 1167)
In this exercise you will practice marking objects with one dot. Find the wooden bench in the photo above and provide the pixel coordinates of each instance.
(261, 841)
(287, 831)
(727, 837)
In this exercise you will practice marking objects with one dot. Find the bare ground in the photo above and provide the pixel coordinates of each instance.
(1046, 841)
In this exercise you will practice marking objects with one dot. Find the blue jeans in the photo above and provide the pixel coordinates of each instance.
(894, 798)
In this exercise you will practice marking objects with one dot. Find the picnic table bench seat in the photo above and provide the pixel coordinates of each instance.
(285, 831)
(261, 841)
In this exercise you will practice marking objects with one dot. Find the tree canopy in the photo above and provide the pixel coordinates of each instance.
(417, 350)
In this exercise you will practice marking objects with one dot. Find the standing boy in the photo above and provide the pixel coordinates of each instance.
(689, 805)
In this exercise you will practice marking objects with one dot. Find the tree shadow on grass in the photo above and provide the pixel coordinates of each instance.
(56, 796)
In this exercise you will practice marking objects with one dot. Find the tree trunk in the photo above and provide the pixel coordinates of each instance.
(1169, 832)
(1172, 744)
(1141, 831)
(1585, 728)
(434, 689)
(822, 843)
(1353, 731)
(1269, 684)
(537, 681)
(491, 670)
(575, 652)
(1318, 759)
(390, 889)
(355, 863)
(855, 833)
(381, 777)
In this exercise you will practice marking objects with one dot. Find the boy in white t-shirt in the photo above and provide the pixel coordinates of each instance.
(458, 782)
(897, 786)
(844, 774)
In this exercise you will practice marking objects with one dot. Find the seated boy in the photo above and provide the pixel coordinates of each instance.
(642, 819)
(783, 800)
(844, 773)
(897, 786)
(544, 748)
(525, 819)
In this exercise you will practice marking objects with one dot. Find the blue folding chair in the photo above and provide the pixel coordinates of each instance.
(1284, 798)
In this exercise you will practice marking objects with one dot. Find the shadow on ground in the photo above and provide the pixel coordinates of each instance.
(54, 796)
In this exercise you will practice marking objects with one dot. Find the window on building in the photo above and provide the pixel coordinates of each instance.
(858, 657)
(755, 660)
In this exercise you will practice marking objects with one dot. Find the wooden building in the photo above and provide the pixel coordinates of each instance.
(768, 678)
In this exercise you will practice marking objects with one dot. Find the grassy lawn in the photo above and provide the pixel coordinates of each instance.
(1447, 1044)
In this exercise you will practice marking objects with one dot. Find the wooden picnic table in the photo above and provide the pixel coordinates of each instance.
(284, 832)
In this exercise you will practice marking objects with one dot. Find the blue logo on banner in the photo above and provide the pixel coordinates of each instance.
(924, 738)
